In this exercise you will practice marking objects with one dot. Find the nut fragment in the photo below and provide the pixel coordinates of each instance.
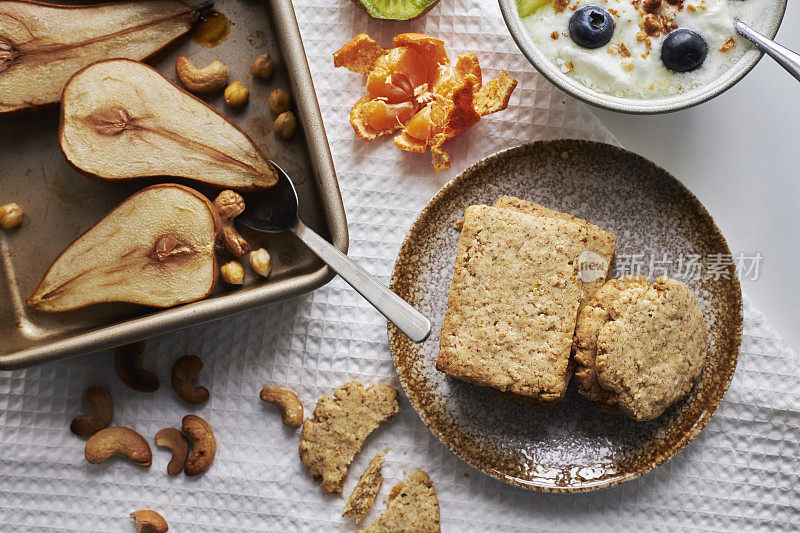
(651, 6)
(206, 80)
(285, 124)
(236, 94)
(120, 441)
(147, 521)
(204, 445)
(261, 262)
(727, 45)
(128, 364)
(262, 67)
(280, 101)
(287, 401)
(10, 216)
(102, 412)
(232, 272)
(184, 371)
(230, 205)
(174, 440)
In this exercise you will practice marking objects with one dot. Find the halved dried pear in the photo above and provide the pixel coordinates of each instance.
(42, 45)
(122, 120)
(154, 249)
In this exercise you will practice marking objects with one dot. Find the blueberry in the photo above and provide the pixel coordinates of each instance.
(591, 27)
(683, 50)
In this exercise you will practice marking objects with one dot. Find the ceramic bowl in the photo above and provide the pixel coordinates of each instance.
(634, 105)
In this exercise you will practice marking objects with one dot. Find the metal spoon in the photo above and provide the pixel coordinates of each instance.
(785, 57)
(276, 209)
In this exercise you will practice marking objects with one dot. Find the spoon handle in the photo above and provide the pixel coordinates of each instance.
(407, 319)
(785, 57)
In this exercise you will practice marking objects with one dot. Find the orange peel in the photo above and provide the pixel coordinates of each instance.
(359, 54)
(469, 67)
(494, 96)
(413, 88)
(428, 46)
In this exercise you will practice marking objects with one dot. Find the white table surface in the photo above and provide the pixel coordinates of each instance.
(740, 154)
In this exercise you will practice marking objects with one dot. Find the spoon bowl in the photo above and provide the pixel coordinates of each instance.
(276, 209)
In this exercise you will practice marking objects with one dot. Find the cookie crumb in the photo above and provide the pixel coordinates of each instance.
(727, 45)
(367, 488)
(412, 506)
(331, 440)
(560, 5)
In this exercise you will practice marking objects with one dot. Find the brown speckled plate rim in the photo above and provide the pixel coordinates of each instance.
(401, 347)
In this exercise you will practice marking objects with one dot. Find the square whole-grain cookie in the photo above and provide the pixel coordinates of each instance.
(513, 303)
(594, 262)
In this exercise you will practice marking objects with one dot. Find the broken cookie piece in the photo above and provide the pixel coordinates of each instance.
(339, 428)
(413, 506)
(363, 496)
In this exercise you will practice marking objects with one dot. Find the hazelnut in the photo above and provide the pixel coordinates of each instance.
(232, 273)
(10, 216)
(236, 94)
(262, 67)
(261, 262)
(280, 101)
(285, 124)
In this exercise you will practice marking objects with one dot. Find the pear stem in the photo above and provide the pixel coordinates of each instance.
(204, 6)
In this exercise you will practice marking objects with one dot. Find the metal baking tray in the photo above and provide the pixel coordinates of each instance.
(59, 203)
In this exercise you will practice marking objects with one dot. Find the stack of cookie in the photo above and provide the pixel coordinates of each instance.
(640, 347)
(520, 289)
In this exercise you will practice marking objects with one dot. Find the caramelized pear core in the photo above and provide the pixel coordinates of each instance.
(170, 248)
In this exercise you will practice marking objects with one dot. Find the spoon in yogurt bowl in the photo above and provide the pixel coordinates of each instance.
(785, 57)
(276, 209)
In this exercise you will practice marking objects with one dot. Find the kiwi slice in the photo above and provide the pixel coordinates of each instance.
(527, 7)
(396, 9)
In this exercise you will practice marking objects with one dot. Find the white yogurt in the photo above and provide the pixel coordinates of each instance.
(642, 74)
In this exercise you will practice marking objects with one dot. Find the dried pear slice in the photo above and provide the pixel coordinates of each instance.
(122, 120)
(154, 249)
(42, 45)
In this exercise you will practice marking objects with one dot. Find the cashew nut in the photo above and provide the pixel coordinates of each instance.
(204, 445)
(147, 521)
(184, 371)
(121, 441)
(128, 364)
(287, 401)
(230, 205)
(102, 411)
(201, 81)
(174, 440)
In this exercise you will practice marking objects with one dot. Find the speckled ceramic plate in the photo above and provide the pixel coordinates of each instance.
(658, 224)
